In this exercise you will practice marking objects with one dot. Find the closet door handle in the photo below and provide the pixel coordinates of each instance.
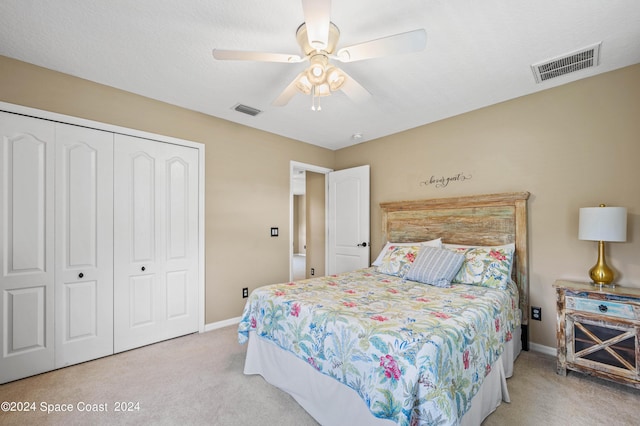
(362, 245)
(80, 275)
(143, 269)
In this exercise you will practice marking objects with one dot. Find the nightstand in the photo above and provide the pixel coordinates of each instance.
(598, 331)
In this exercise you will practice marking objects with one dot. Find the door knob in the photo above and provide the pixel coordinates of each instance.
(143, 269)
(362, 245)
(80, 275)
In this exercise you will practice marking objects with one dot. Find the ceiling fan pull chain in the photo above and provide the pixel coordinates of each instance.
(315, 96)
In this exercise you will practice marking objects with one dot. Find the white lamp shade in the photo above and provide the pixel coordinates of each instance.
(603, 224)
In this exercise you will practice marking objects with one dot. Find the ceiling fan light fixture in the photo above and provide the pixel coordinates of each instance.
(335, 78)
(318, 39)
(321, 90)
(303, 84)
(316, 73)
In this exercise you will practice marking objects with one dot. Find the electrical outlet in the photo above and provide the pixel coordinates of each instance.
(245, 292)
(313, 271)
(536, 313)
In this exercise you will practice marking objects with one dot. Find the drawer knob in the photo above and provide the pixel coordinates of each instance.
(80, 275)
(143, 269)
(603, 308)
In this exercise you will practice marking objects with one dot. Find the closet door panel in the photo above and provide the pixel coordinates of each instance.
(143, 207)
(181, 230)
(141, 299)
(84, 244)
(80, 306)
(156, 289)
(177, 294)
(139, 278)
(177, 209)
(143, 252)
(26, 319)
(27, 249)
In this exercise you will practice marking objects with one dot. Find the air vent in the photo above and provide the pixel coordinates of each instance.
(588, 57)
(247, 110)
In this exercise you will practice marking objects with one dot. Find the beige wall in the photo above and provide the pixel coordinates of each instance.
(299, 224)
(574, 146)
(315, 212)
(247, 174)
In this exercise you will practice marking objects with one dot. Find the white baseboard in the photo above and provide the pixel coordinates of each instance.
(547, 350)
(221, 324)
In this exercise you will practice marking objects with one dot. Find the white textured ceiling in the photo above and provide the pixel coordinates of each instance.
(478, 53)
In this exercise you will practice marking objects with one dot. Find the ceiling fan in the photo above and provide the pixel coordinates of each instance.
(318, 39)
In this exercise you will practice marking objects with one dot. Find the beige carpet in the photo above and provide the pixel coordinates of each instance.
(198, 380)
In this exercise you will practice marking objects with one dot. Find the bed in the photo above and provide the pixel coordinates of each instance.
(378, 345)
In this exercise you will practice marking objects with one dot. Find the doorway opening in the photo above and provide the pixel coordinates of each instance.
(307, 225)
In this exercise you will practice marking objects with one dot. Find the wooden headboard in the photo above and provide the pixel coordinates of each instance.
(483, 220)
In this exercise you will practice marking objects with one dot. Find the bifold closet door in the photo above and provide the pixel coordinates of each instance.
(155, 241)
(84, 244)
(27, 246)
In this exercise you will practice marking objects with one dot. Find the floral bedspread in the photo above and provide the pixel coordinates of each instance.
(416, 354)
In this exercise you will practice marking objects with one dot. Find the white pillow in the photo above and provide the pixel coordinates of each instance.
(431, 243)
(435, 266)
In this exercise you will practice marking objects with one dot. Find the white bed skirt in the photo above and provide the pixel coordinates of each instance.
(332, 403)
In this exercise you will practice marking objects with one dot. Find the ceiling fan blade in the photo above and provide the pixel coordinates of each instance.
(317, 15)
(241, 55)
(412, 41)
(354, 90)
(288, 93)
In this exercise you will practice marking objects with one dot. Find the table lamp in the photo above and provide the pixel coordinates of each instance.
(602, 224)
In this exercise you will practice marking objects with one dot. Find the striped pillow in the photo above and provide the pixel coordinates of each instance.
(435, 266)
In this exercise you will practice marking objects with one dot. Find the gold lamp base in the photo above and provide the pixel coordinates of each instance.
(601, 274)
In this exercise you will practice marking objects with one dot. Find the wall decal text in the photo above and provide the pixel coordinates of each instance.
(444, 181)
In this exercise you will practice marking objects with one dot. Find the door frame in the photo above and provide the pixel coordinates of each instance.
(293, 167)
(76, 121)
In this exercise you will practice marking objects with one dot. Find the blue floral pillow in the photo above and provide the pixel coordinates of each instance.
(485, 266)
(398, 259)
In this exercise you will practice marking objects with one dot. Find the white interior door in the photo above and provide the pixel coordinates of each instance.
(156, 241)
(84, 244)
(27, 246)
(348, 233)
